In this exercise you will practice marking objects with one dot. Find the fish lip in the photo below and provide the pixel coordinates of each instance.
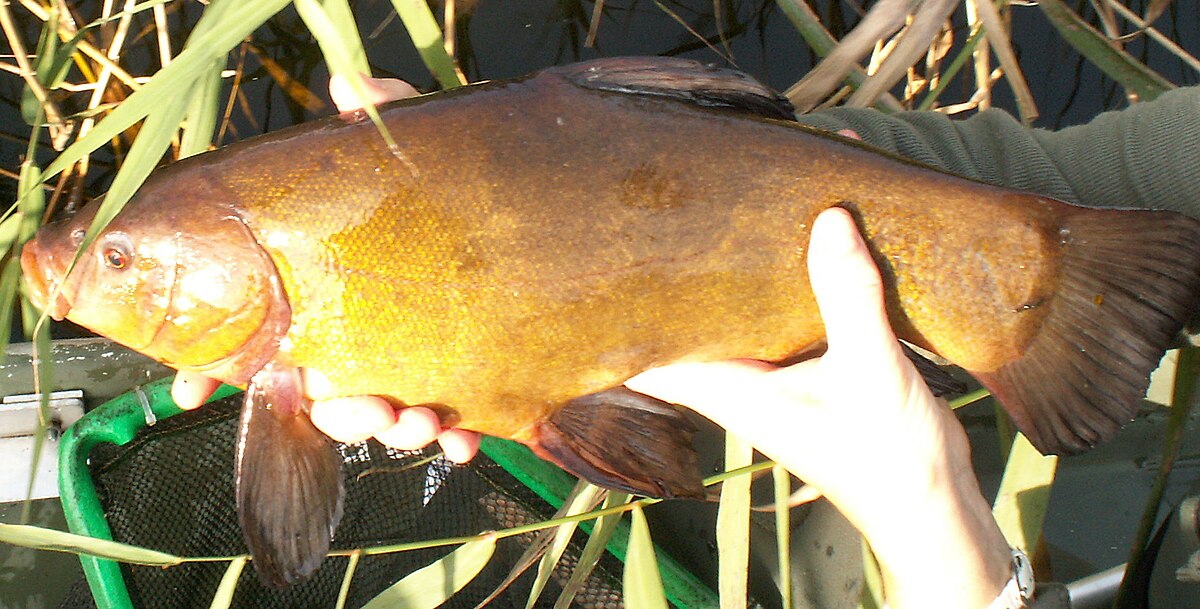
(34, 264)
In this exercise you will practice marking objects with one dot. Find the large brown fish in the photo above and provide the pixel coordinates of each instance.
(539, 241)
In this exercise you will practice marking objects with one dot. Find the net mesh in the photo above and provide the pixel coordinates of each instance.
(171, 489)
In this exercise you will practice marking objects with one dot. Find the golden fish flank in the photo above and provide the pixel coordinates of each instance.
(546, 238)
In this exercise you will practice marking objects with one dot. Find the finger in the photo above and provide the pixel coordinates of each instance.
(415, 427)
(353, 419)
(459, 445)
(190, 389)
(847, 286)
(717, 390)
(316, 385)
(377, 91)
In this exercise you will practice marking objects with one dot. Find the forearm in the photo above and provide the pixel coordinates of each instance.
(948, 553)
(935, 538)
(1145, 156)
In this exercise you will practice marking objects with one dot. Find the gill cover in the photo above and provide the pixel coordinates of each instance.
(174, 275)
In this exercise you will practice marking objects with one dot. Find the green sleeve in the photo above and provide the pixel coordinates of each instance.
(1147, 155)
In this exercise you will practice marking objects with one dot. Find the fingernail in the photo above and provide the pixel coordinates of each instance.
(834, 232)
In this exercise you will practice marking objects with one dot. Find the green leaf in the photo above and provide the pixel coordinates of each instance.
(202, 112)
(9, 279)
(9, 229)
(1024, 493)
(332, 24)
(642, 583)
(597, 541)
(60, 541)
(433, 585)
(31, 200)
(427, 37)
(1117, 64)
(733, 526)
(47, 45)
(223, 599)
(152, 142)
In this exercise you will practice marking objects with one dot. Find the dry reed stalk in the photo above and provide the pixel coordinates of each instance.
(926, 23)
(881, 21)
(997, 34)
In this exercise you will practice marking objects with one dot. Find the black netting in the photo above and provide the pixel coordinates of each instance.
(171, 489)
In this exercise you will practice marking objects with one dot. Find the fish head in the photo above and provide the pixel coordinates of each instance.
(176, 275)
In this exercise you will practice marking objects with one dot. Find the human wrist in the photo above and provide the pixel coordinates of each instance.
(944, 548)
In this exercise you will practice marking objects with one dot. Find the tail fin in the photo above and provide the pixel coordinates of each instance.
(1130, 281)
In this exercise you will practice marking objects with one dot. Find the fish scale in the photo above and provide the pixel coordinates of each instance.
(539, 241)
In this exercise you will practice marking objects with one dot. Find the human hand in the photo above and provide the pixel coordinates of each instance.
(860, 424)
(354, 419)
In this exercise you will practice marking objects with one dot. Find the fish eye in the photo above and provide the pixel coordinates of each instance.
(117, 252)
(115, 258)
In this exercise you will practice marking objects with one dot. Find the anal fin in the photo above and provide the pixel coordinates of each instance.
(289, 483)
(623, 440)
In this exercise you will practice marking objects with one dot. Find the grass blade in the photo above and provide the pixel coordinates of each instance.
(1183, 399)
(783, 531)
(1020, 505)
(642, 583)
(873, 588)
(344, 591)
(733, 526)
(427, 37)
(153, 140)
(582, 499)
(332, 24)
(202, 112)
(223, 599)
(432, 585)
(61, 541)
(1117, 64)
(590, 556)
(9, 280)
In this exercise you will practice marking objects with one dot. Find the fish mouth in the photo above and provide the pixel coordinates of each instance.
(38, 270)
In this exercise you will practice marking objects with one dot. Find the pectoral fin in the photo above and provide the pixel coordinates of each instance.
(289, 483)
(939, 380)
(626, 441)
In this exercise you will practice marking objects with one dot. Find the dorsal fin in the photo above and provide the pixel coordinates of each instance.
(681, 79)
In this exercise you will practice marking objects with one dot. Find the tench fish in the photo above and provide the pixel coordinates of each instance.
(535, 242)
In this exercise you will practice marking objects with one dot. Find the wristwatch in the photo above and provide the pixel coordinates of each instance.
(1018, 592)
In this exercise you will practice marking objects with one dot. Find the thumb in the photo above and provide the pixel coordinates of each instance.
(847, 286)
